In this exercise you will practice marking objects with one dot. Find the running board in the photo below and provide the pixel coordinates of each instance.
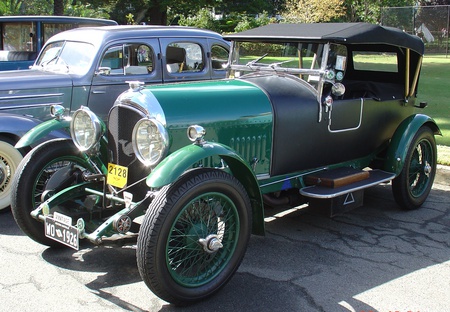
(323, 192)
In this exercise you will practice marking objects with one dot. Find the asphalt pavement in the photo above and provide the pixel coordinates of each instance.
(373, 258)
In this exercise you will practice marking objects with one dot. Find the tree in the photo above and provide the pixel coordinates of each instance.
(58, 7)
(370, 10)
(313, 11)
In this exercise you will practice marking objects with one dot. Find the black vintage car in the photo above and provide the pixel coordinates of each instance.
(90, 66)
(309, 113)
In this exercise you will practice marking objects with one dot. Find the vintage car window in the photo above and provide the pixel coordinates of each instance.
(18, 42)
(127, 59)
(375, 61)
(51, 29)
(301, 59)
(18, 37)
(219, 57)
(67, 57)
(337, 62)
(184, 57)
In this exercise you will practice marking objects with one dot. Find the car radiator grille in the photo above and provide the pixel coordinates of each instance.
(121, 121)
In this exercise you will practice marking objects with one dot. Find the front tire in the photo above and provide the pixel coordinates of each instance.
(31, 179)
(412, 187)
(10, 159)
(194, 236)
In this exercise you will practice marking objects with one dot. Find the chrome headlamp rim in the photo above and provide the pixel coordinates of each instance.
(162, 131)
(96, 124)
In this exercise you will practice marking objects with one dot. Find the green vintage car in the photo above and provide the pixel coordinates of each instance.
(309, 113)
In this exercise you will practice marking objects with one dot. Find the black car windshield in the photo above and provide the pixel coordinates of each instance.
(307, 60)
(66, 57)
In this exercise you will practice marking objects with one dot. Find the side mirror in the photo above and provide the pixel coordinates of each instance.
(104, 71)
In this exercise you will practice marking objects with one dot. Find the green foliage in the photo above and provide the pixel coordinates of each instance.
(249, 22)
(313, 11)
(98, 9)
(202, 19)
(86, 10)
(370, 10)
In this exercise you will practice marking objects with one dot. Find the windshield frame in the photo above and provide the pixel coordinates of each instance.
(235, 69)
(72, 57)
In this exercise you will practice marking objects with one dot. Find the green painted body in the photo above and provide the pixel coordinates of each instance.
(398, 148)
(173, 166)
(240, 117)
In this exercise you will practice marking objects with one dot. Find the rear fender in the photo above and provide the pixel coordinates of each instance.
(402, 138)
(173, 166)
(43, 129)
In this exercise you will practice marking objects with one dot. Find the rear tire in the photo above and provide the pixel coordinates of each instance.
(30, 181)
(412, 187)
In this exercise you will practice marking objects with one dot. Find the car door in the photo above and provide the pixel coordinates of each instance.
(130, 60)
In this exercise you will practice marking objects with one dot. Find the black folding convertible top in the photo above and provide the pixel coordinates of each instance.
(347, 33)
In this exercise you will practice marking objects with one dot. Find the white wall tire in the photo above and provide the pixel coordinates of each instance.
(9, 161)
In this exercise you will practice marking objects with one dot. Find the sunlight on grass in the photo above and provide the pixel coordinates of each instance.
(434, 89)
(443, 153)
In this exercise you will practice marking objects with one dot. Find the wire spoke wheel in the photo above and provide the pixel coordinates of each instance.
(194, 236)
(202, 239)
(10, 159)
(31, 181)
(420, 168)
(412, 186)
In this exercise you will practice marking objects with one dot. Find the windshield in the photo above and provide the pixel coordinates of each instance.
(66, 57)
(302, 59)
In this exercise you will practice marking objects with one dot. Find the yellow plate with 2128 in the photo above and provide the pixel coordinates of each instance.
(117, 175)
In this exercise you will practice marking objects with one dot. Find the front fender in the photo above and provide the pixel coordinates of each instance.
(173, 166)
(42, 130)
(402, 138)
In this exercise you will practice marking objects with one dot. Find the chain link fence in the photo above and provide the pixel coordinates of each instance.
(431, 23)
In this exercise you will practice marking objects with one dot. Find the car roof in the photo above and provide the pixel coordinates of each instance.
(56, 19)
(345, 33)
(97, 35)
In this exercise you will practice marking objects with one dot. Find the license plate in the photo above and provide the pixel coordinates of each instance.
(117, 175)
(66, 234)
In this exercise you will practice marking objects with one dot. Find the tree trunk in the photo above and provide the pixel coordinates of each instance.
(156, 15)
(58, 7)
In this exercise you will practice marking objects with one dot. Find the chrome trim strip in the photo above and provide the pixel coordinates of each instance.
(28, 106)
(348, 129)
(29, 96)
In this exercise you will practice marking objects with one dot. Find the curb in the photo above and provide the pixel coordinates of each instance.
(442, 175)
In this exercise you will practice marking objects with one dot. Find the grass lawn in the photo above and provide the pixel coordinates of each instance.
(434, 88)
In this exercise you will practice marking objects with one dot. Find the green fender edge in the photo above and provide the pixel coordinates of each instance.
(174, 165)
(42, 130)
(402, 139)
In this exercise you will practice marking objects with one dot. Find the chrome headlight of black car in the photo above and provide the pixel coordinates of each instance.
(150, 141)
(85, 129)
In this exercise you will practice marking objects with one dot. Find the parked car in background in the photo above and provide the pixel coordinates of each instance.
(311, 113)
(24, 36)
(90, 67)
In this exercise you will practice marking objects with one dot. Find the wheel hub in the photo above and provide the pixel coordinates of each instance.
(211, 243)
(427, 168)
(5, 172)
(2, 175)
